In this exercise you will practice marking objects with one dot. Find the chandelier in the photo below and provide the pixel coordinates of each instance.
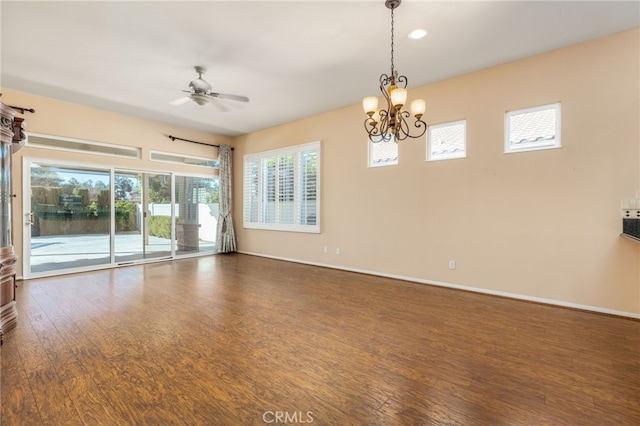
(392, 123)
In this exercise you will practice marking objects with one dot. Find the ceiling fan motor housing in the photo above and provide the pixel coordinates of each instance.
(200, 86)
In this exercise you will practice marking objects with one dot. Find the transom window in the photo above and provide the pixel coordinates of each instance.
(281, 189)
(169, 157)
(36, 140)
(532, 129)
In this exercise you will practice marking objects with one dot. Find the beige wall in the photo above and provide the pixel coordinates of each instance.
(57, 118)
(542, 225)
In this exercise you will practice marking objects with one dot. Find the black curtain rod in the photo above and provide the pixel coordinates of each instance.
(22, 110)
(173, 138)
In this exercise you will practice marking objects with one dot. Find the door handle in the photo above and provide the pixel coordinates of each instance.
(29, 219)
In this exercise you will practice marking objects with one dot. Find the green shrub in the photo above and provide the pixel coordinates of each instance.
(160, 226)
(126, 216)
(92, 209)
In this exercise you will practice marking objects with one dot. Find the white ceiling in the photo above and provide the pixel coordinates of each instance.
(293, 59)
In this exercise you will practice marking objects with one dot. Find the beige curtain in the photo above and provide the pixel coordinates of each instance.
(225, 236)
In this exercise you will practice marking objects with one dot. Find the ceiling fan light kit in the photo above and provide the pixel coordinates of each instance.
(392, 123)
(200, 99)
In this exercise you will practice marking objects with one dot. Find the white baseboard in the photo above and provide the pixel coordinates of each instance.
(459, 287)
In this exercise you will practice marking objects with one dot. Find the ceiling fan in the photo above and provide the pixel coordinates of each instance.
(200, 92)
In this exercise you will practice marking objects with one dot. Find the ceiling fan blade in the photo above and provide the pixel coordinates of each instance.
(180, 101)
(222, 107)
(230, 97)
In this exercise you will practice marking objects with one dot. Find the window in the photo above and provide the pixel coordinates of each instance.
(532, 129)
(383, 153)
(87, 147)
(281, 189)
(169, 157)
(447, 140)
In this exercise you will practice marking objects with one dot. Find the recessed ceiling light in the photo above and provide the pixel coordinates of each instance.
(417, 34)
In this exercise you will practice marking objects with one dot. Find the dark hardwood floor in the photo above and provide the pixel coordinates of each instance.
(241, 340)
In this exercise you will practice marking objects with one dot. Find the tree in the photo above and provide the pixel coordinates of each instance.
(45, 176)
(123, 188)
(95, 188)
(68, 186)
(159, 189)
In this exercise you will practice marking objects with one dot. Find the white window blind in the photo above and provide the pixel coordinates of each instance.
(281, 189)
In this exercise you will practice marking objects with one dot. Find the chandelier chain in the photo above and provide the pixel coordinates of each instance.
(392, 68)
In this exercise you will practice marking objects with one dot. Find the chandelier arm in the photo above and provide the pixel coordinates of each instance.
(370, 125)
(385, 81)
(378, 131)
(401, 81)
(419, 124)
(375, 136)
(405, 131)
(384, 122)
(403, 125)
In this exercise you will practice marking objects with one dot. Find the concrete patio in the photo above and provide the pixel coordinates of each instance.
(57, 252)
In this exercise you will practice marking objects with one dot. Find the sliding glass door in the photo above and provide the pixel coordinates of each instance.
(82, 217)
(70, 217)
(157, 215)
(143, 216)
(196, 214)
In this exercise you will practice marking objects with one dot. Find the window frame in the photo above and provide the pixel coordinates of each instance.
(452, 156)
(556, 143)
(252, 201)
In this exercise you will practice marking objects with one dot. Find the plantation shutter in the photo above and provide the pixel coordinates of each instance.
(285, 189)
(308, 188)
(281, 189)
(269, 190)
(251, 194)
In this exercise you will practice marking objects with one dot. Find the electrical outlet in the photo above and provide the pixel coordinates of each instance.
(325, 250)
(337, 250)
(452, 264)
